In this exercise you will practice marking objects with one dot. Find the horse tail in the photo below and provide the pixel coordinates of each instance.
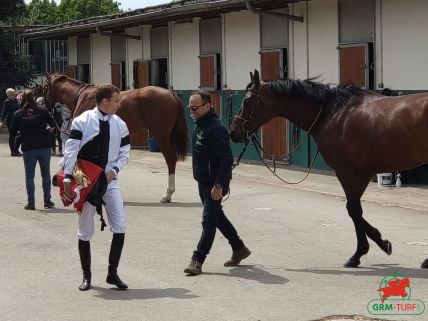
(179, 139)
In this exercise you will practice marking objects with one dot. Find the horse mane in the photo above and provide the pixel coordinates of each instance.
(59, 76)
(340, 96)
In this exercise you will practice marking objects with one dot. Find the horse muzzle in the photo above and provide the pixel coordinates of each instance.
(237, 137)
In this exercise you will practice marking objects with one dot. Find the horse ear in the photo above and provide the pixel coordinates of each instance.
(251, 76)
(256, 78)
(48, 75)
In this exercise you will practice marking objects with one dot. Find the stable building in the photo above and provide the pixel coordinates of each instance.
(213, 45)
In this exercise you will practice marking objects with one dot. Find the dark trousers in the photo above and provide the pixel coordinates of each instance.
(15, 143)
(56, 137)
(213, 217)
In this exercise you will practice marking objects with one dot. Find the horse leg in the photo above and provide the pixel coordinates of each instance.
(171, 160)
(355, 211)
(354, 188)
(376, 236)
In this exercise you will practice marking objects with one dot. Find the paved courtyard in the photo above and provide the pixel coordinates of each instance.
(300, 237)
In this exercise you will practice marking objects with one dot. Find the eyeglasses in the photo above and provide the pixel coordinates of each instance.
(195, 108)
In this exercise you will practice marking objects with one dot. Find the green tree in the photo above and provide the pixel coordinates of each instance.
(48, 12)
(45, 12)
(81, 9)
(14, 70)
(10, 9)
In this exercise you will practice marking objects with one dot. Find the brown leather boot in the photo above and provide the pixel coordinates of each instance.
(194, 268)
(30, 206)
(238, 256)
(49, 204)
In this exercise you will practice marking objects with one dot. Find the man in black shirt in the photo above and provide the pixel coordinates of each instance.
(212, 169)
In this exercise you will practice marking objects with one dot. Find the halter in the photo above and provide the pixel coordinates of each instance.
(258, 147)
(249, 121)
(80, 90)
(46, 87)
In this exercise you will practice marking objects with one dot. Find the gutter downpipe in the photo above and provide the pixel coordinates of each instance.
(110, 34)
(271, 13)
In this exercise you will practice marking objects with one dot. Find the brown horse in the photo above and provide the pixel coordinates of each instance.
(354, 130)
(158, 109)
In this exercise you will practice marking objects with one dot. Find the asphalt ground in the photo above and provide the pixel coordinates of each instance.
(300, 236)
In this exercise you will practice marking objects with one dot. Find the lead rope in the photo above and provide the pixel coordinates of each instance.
(259, 149)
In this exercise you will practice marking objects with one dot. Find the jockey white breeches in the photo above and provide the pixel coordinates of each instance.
(114, 209)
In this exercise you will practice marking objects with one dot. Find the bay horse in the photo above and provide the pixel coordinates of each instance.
(158, 109)
(354, 130)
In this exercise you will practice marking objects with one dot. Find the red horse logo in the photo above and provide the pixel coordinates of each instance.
(395, 287)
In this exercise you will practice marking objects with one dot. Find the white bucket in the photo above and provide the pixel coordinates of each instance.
(384, 179)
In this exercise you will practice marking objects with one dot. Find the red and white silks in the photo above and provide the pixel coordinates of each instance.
(86, 175)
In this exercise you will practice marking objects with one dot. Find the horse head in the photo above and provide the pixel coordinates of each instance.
(48, 92)
(251, 115)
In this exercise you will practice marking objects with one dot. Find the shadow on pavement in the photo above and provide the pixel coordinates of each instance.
(142, 294)
(253, 272)
(371, 270)
(159, 204)
(57, 211)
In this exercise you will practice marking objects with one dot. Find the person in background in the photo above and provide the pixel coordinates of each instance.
(10, 105)
(212, 169)
(66, 123)
(57, 142)
(32, 122)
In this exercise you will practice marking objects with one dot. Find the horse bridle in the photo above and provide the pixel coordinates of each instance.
(249, 121)
(46, 87)
(257, 145)
(82, 87)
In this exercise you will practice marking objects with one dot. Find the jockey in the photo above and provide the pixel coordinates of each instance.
(100, 137)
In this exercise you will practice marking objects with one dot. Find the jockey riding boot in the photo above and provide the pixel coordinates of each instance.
(85, 261)
(113, 260)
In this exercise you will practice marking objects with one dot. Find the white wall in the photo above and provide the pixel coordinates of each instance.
(241, 48)
(134, 51)
(405, 45)
(146, 43)
(184, 58)
(72, 51)
(317, 39)
(298, 58)
(100, 59)
(323, 40)
(378, 45)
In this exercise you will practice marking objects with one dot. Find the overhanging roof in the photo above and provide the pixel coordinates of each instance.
(175, 10)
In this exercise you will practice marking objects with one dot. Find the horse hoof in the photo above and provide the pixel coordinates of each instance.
(352, 263)
(387, 247)
(424, 264)
(165, 200)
